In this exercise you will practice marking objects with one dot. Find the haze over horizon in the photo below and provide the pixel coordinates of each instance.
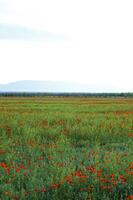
(83, 42)
(57, 86)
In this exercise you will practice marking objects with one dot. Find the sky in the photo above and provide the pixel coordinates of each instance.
(83, 41)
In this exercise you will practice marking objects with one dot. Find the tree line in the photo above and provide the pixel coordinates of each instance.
(61, 94)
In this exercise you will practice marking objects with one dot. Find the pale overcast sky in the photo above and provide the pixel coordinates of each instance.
(85, 41)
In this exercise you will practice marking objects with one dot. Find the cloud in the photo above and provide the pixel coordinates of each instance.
(16, 32)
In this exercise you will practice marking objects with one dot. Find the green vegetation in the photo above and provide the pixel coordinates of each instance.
(59, 148)
(65, 94)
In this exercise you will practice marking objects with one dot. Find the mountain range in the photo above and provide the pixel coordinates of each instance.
(53, 86)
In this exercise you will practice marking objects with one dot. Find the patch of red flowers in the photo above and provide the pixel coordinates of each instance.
(129, 197)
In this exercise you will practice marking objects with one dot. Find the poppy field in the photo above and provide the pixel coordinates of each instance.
(66, 148)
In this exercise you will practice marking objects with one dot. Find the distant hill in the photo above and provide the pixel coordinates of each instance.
(53, 86)
(42, 86)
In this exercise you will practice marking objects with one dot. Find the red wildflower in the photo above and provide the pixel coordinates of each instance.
(7, 193)
(54, 186)
(129, 197)
(68, 179)
(44, 189)
(22, 166)
(99, 173)
(40, 158)
(15, 197)
(91, 169)
(131, 165)
(25, 173)
(36, 190)
(49, 157)
(114, 182)
(122, 179)
(81, 189)
(89, 189)
(105, 187)
(112, 175)
(80, 174)
(17, 170)
(3, 165)
(131, 173)
(102, 180)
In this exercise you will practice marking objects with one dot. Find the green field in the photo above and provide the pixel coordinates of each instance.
(55, 148)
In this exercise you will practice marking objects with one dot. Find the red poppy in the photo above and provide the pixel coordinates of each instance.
(129, 197)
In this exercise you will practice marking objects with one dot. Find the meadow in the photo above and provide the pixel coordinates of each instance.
(57, 148)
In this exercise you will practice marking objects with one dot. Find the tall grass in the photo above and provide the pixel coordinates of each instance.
(66, 148)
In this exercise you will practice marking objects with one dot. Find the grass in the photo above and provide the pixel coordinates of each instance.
(56, 148)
